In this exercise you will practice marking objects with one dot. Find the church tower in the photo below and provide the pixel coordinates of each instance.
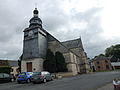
(34, 45)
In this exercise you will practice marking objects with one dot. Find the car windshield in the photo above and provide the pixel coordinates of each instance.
(1, 75)
(23, 73)
(36, 73)
(26, 73)
(30, 73)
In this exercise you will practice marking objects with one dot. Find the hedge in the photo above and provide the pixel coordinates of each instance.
(6, 69)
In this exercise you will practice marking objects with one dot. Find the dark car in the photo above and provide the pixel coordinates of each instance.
(24, 77)
(4, 77)
(39, 77)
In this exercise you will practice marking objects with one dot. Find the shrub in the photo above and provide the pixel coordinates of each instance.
(5, 69)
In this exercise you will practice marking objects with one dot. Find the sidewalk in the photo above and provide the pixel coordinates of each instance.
(106, 87)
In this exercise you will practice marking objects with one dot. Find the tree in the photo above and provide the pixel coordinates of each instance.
(54, 63)
(50, 63)
(19, 63)
(101, 54)
(113, 51)
(60, 62)
(5, 69)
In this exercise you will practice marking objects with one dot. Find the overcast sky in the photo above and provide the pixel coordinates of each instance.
(96, 21)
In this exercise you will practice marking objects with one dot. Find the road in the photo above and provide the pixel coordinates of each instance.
(80, 82)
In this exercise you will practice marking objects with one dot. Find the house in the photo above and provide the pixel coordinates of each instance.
(14, 67)
(102, 63)
(13, 64)
(115, 65)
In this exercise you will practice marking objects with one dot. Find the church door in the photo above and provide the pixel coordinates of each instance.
(29, 67)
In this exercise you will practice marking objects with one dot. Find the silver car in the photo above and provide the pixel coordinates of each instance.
(39, 77)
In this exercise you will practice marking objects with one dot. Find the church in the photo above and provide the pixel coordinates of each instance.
(36, 42)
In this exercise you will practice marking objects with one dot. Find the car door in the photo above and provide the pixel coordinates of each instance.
(49, 76)
(6, 77)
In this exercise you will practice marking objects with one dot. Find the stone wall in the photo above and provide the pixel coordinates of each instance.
(102, 65)
(82, 60)
(37, 65)
(14, 70)
(34, 46)
(70, 58)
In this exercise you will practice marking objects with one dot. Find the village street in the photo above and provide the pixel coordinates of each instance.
(80, 82)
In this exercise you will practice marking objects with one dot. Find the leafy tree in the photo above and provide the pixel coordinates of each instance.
(113, 51)
(60, 62)
(19, 63)
(54, 63)
(5, 69)
(101, 54)
(50, 63)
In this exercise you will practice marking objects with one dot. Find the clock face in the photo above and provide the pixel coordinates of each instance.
(30, 33)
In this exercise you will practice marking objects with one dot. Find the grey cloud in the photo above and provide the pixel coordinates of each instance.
(15, 16)
(91, 35)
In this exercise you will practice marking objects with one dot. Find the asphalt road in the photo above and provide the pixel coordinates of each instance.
(80, 82)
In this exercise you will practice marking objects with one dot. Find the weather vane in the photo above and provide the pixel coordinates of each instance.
(36, 5)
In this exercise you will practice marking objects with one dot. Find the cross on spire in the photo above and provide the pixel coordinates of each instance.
(36, 5)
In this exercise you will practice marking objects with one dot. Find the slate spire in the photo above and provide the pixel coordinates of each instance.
(35, 20)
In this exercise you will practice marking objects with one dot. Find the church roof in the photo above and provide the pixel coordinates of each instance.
(61, 47)
(73, 43)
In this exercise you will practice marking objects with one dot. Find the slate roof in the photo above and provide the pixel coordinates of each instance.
(62, 48)
(73, 43)
(102, 58)
(50, 37)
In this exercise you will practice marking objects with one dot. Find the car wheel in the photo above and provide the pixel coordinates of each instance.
(28, 80)
(12, 80)
(44, 80)
(51, 79)
(34, 82)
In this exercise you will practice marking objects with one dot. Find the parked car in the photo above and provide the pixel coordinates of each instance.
(116, 83)
(39, 77)
(4, 77)
(24, 77)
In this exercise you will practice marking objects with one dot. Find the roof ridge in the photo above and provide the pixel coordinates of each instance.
(71, 40)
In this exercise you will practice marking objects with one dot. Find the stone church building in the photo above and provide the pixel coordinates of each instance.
(36, 42)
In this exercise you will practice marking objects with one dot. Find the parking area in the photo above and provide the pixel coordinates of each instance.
(80, 82)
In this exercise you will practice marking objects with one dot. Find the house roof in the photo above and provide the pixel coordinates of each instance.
(102, 58)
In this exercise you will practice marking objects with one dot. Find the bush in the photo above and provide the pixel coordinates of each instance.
(54, 63)
(49, 63)
(5, 69)
(60, 62)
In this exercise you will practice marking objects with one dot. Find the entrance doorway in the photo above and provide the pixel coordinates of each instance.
(29, 67)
